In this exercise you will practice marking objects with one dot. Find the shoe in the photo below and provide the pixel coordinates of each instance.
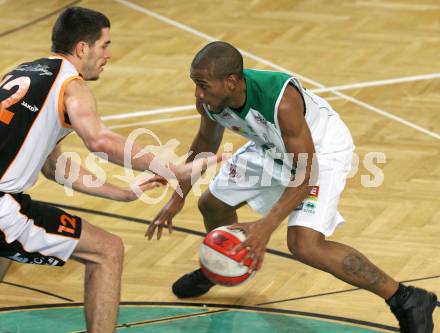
(193, 284)
(413, 309)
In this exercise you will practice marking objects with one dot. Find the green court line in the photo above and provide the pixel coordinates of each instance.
(247, 322)
(70, 319)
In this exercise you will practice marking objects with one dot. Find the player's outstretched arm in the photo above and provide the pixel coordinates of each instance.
(86, 182)
(80, 105)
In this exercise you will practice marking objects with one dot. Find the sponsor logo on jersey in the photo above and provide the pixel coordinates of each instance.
(314, 192)
(17, 257)
(233, 173)
(307, 207)
(260, 119)
(29, 107)
(36, 261)
(43, 69)
(310, 208)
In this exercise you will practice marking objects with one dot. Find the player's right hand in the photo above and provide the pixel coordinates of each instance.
(165, 217)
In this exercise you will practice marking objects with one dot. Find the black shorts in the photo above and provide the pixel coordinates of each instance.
(36, 233)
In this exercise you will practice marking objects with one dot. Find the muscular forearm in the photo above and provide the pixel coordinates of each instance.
(130, 155)
(121, 151)
(82, 180)
(294, 194)
(89, 184)
(290, 199)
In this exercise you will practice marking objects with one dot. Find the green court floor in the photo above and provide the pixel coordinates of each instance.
(136, 319)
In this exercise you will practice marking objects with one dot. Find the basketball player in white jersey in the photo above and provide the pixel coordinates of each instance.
(41, 102)
(290, 129)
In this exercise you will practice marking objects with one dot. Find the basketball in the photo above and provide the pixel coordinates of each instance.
(217, 262)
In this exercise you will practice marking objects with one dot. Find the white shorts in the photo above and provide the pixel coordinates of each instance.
(249, 176)
(36, 233)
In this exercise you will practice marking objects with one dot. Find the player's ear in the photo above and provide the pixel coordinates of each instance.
(232, 81)
(81, 49)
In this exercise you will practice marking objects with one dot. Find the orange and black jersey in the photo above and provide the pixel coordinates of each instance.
(32, 119)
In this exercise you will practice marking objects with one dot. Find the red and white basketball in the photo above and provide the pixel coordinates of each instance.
(217, 262)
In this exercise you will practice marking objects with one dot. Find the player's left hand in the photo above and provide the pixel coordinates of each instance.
(129, 194)
(257, 236)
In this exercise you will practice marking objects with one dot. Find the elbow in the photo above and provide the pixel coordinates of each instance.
(48, 171)
(49, 174)
(99, 143)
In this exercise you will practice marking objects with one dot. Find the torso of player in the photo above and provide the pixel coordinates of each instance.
(32, 119)
(258, 119)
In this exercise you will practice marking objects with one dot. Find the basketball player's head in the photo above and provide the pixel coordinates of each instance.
(216, 70)
(83, 34)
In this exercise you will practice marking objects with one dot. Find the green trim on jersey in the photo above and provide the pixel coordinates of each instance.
(263, 89)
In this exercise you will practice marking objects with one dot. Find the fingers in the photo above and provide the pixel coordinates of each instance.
(149, 186)
(170, 226)
(159, 231)
(238, 226)
(150, 230)
(154, 227)
(157, 227)
(255, 253)
(151, 183)
(238, 248)
(257, 259)
(158, 179)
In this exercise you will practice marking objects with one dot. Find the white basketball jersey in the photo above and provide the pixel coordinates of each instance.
(258, 119)
(32, 119)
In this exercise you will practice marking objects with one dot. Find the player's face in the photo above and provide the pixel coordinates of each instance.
(97, 56)
(209, 91)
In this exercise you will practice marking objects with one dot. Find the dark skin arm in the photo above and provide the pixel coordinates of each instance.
(297, 140)
(207, 139)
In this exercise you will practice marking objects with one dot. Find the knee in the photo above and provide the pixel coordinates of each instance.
(206, 205)
(113, 249)
(299, 248)
(305, 249)
(118, 246)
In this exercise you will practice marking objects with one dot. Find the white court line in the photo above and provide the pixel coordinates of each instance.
(319, 90)
(275, 66)
(157, 121)
(333, 98)
(149, 112)
(378, 83)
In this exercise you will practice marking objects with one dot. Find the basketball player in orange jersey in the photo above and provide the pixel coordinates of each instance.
(294, 135)
(41, 102)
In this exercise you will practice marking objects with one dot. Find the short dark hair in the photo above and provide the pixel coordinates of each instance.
(77, 24)
(220, 59)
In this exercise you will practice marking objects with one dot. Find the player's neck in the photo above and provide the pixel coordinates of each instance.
(238, 98)
(72, 59)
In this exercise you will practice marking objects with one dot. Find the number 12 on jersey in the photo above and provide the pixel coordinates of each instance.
(23, 83)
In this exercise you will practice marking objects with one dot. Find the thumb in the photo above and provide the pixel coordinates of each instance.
(238, 226)
(238, 248)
